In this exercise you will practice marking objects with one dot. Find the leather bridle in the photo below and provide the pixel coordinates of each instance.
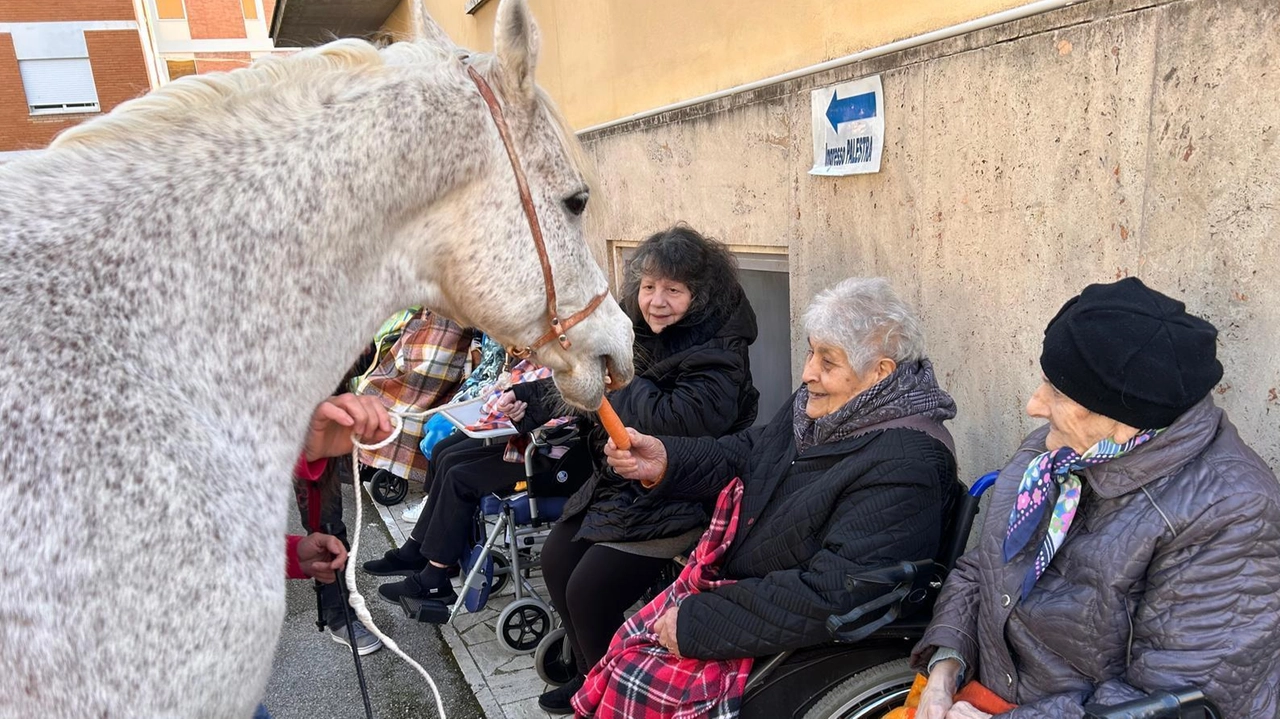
(558, 328)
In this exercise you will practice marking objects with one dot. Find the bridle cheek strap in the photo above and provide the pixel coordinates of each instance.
(559, 329)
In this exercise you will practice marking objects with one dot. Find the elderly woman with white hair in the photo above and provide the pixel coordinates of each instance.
(854, 473)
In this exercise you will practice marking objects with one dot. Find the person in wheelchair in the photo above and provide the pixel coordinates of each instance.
(462, 472)
(693, 326)
(854, 473)
(1132, 544)
(421, 370)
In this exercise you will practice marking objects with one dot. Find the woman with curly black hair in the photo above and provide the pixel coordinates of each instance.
(693, 325)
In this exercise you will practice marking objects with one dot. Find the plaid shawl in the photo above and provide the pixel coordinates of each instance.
(639, 679)
(423, 369)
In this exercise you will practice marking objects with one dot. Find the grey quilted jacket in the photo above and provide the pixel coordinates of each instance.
(1169, 577)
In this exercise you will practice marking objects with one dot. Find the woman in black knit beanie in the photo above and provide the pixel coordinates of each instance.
(1131, 545)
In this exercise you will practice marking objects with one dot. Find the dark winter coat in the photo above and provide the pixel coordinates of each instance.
(1169, 578)
(807, 520)
(693, 379)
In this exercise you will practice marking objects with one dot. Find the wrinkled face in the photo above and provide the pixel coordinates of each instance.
(662, 302)
(832, 381)
(1070, 424)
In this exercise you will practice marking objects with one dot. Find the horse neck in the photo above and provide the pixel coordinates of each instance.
(258, 300)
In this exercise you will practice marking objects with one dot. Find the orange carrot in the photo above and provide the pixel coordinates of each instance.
(617, 431)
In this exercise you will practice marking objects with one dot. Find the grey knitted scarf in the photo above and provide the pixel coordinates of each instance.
(910, 390)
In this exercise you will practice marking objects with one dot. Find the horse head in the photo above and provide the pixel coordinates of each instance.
(485, 269)
(216, 253)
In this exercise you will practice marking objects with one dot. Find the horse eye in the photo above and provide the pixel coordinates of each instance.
(576, 204)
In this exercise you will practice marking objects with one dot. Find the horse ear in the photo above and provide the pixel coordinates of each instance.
(516, 43)
(428, 30)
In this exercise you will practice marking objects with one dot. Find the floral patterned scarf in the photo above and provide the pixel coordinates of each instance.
(1056, 470)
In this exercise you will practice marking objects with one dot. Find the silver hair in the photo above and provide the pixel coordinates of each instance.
(864, 317)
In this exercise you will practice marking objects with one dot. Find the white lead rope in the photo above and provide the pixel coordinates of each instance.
(354, 598)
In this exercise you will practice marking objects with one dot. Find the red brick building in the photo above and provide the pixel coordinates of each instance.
(62, 61)
(198, 36)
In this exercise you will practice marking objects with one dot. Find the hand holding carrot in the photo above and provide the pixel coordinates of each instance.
(645, 460)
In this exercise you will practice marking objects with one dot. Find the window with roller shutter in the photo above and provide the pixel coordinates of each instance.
(56, 75)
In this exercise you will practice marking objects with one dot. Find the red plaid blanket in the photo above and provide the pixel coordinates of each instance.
(639, 679)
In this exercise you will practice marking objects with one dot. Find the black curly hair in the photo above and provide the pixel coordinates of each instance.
(682, 254)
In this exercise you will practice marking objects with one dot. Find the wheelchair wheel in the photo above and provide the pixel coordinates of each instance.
(501, 573)
(554, 659)
(522, 624)
(868, 694)
(387, 488)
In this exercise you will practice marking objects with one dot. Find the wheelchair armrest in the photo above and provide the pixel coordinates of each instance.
(555, 436)
(836, 624)
(908, 584)
(1181, 704)
(892, 575)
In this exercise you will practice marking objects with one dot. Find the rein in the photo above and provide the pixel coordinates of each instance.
(558, 329)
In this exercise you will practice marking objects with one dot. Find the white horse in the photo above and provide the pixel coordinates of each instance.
(183, 280)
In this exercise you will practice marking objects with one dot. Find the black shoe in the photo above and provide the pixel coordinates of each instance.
(412, 588)
(556, 701)
(392, 564)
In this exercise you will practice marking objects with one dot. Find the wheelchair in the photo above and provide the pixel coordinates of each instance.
(1182, 704)
(556, 464)
(553, 658)
(866, 672)
(386, 487)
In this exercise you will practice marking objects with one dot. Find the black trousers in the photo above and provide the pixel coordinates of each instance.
(591, 587)
(462, 472)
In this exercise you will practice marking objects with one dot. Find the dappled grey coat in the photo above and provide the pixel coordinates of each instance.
(1169, 577)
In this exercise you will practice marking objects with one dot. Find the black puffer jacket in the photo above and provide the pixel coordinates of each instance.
(807, 520)
(693, 380)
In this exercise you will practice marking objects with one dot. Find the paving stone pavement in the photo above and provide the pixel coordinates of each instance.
(313, 677)
(505, 685)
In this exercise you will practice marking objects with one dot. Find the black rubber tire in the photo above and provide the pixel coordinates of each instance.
(869, 694)
(501, 573)
(522, 625)
(387, 488)
(554, 659)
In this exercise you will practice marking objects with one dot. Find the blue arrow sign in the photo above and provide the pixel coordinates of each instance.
(855, 107)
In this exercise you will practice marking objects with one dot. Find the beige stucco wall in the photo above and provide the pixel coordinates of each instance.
(1112, 138)
(606, 60)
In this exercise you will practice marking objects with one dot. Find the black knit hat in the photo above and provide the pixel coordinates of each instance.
(1129, 353)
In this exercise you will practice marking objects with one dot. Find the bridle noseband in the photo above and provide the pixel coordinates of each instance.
(558, 328)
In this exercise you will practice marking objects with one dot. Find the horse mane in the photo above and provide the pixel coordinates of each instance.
(568, 138)
(192, 93)
(187, 95)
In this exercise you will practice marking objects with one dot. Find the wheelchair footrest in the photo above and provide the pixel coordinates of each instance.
(428, 611)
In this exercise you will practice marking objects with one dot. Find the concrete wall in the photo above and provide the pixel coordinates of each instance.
(606, 60)
(1112, 138)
